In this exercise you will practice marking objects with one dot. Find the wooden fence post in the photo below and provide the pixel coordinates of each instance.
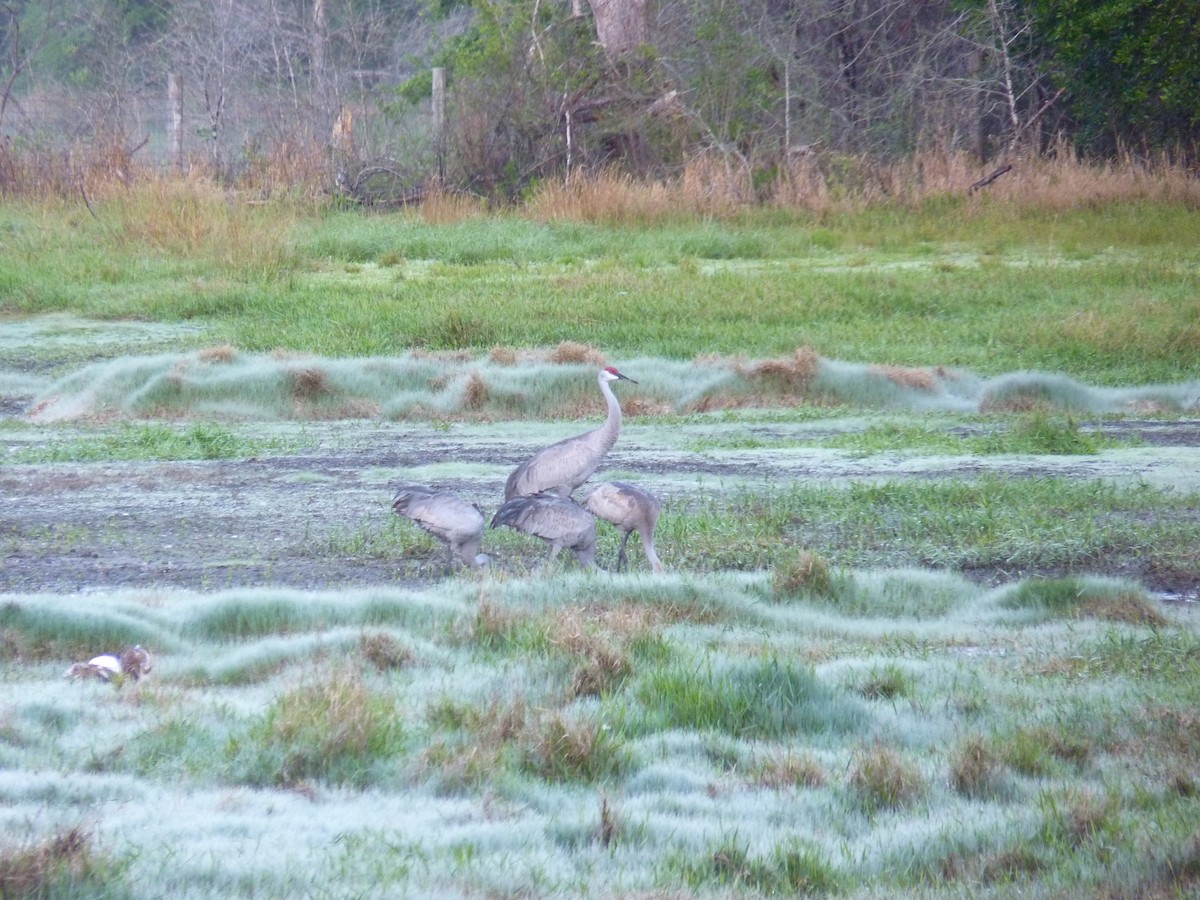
(174, 121)
(439, 121)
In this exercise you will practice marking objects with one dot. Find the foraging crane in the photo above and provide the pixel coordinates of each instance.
(559, 521)
(630, 508)
(452, 520)
(564, 466)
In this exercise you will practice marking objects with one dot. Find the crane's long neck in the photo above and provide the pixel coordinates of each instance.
(611, 429)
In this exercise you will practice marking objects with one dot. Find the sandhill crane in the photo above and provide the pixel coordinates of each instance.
(630, 508)
(559, 521)
(564, 466)
(449, 518)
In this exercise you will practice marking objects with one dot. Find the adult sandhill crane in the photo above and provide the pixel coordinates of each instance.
(559, 521)
(630, 508)
(449, 518)
(564, 466)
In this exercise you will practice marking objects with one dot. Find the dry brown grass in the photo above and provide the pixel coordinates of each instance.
(603, 665)
(503, 356)
(442, 207)
(308, 383)
(296, 168)
(905, 377)
(790, 377)
(787, 770)
(805, 574)
(883, 779)
(222, 353)
(975, 768)
(383, 651)
(38, 870)
(607, 197)
(574, 353)
(1131, 608)
(477, 393)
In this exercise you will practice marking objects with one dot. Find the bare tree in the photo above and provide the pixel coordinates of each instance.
(17, 50)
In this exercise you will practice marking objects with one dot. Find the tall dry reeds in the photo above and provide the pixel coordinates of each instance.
(711, 184)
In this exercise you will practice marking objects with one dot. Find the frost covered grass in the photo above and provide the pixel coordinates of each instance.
(608, 735)
(221, 383)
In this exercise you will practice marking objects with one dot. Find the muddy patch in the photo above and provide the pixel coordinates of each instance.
(314, 518)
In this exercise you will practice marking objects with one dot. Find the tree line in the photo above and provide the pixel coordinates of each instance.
(542, 89)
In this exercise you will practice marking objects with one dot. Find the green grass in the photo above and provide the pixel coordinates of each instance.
(1103, 295)
(153, 441)
(988, 522)
(1037, 433)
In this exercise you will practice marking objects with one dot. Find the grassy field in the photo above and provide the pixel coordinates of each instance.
(1102, 293)
(822, 697)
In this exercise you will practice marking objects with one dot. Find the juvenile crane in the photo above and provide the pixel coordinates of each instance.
(630, 508)
(559, 521)
(449, 518)
(564, 466)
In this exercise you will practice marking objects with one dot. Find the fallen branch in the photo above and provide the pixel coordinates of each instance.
(984, 182)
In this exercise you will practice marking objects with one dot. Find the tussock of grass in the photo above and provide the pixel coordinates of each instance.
(257, 613)
(788, 770)
(765, 699)
(791, 868)
(1108, 599)
(66, 864)
(975, 770)
(333, 729)
(882, 778)
(568, 747)
(805, 575)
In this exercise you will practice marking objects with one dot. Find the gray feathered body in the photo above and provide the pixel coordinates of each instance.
(630, 508)
(559, 521)
(449, 518)
(563, 466)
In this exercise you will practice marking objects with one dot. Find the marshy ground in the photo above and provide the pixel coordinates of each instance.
(317, 516)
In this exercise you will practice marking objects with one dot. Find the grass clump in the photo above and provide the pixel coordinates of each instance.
(1080, 597)
(1035, 750)
(975, 769)
(472, 740)
(383, 651)
(787, 770)
(804, 575)
(37, 631)
(335, 729)
(881, 778)
(567, 747)
(791, 868)
(888, 682)
(757, 699)
(65, 864)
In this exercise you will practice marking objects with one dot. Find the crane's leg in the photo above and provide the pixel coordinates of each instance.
(621, 557)
(545, 567)
(648, 545)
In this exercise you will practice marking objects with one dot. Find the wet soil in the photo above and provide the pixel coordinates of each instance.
(315, 519)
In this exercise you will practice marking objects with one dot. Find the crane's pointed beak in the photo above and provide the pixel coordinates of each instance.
(626, 378)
